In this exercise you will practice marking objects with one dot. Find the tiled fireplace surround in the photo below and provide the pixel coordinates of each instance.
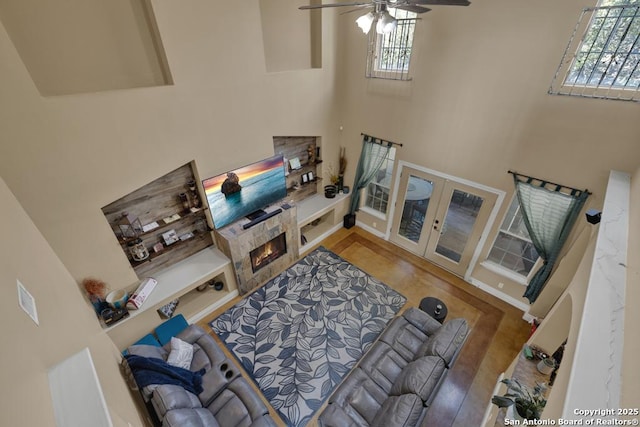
(237, 243)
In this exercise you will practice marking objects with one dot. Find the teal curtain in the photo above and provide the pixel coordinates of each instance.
(371, 159)
(549, 216)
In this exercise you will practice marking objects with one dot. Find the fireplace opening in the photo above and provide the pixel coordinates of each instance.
(265, 254)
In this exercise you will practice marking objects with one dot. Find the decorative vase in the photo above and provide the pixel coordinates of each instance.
(512, 414)
(196, 199)
(184, 200)
(546, 365)
(330, 191)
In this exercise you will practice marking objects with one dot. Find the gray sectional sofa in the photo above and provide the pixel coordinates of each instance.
(226, 399)
(397, 379)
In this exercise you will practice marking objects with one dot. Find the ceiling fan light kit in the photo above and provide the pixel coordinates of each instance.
(365, 22)
(385, 23)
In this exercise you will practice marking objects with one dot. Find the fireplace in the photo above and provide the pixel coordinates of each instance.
(252, 266)
(265, 254)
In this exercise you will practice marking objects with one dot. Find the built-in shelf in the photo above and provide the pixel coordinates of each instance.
(180, 281)
(318, 217)
(162, 223)
(525, 371)
(306, 150)
(166, 248)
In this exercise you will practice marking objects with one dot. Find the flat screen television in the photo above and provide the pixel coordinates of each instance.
(245, 191)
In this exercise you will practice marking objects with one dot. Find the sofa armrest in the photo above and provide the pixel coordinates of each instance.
(168, 397)
(421, 320)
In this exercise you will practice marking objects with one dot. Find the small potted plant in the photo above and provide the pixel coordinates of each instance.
(525, 402)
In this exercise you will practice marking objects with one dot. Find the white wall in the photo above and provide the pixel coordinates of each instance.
(478, 105)
(66, 325)
(67, 157)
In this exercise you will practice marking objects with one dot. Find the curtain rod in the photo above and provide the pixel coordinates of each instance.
(545, 182)
(380, 140)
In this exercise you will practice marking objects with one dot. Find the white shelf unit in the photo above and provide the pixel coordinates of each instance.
(180, 281)
(319, 217)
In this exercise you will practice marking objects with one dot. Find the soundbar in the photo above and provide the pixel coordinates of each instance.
(262, 218)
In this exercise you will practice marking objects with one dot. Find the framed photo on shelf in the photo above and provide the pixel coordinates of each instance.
(295, 163)
(305, 178)
(310, 176)
(170, 237)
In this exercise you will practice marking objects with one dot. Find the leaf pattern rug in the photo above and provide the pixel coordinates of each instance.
(302, 332)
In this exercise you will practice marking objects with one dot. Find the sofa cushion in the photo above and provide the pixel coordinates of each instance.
(400, 411)
(383, 365)
(181, 353)
(148, 351)
(167, 397)
(198, 417)
(335, 415)
(237, 405)
(446, 341)
(421, 320)
(359, 399)
(420, 377)
(403, 337)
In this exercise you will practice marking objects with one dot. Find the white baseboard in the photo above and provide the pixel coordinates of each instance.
(371, 230)
(504, 297)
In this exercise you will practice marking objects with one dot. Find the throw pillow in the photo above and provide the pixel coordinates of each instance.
(419, 377)
(181, 353)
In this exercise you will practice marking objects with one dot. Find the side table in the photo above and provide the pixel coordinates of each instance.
(434, 308)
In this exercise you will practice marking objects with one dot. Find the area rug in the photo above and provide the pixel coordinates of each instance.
(303, 331)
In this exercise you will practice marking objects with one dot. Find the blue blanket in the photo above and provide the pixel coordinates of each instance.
(149, 370)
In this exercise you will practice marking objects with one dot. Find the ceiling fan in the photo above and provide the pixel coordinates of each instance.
(385, 22)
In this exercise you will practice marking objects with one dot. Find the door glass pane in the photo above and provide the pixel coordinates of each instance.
(458, 224)
(416, 202)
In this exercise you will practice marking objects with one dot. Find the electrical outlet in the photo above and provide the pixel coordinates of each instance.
(27, 302)
(500, 285)
(375, 225)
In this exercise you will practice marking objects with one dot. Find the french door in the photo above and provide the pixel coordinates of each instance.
(439, 218)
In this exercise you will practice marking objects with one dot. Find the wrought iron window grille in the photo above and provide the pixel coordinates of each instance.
(602, 59)
(389, 55)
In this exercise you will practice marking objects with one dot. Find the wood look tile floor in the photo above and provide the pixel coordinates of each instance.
(497, 329)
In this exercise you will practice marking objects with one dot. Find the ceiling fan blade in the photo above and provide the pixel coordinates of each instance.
(357, 9)
(442, 2)
(414, 8)
(320, 6)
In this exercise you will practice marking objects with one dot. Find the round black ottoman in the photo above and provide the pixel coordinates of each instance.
(434, 308)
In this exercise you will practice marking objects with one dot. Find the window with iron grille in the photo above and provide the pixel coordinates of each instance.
(389, 55)
(379, 188)
(512, 249)
(602, 59)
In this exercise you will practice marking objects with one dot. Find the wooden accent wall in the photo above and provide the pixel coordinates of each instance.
(154, 202)
(300, 146)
